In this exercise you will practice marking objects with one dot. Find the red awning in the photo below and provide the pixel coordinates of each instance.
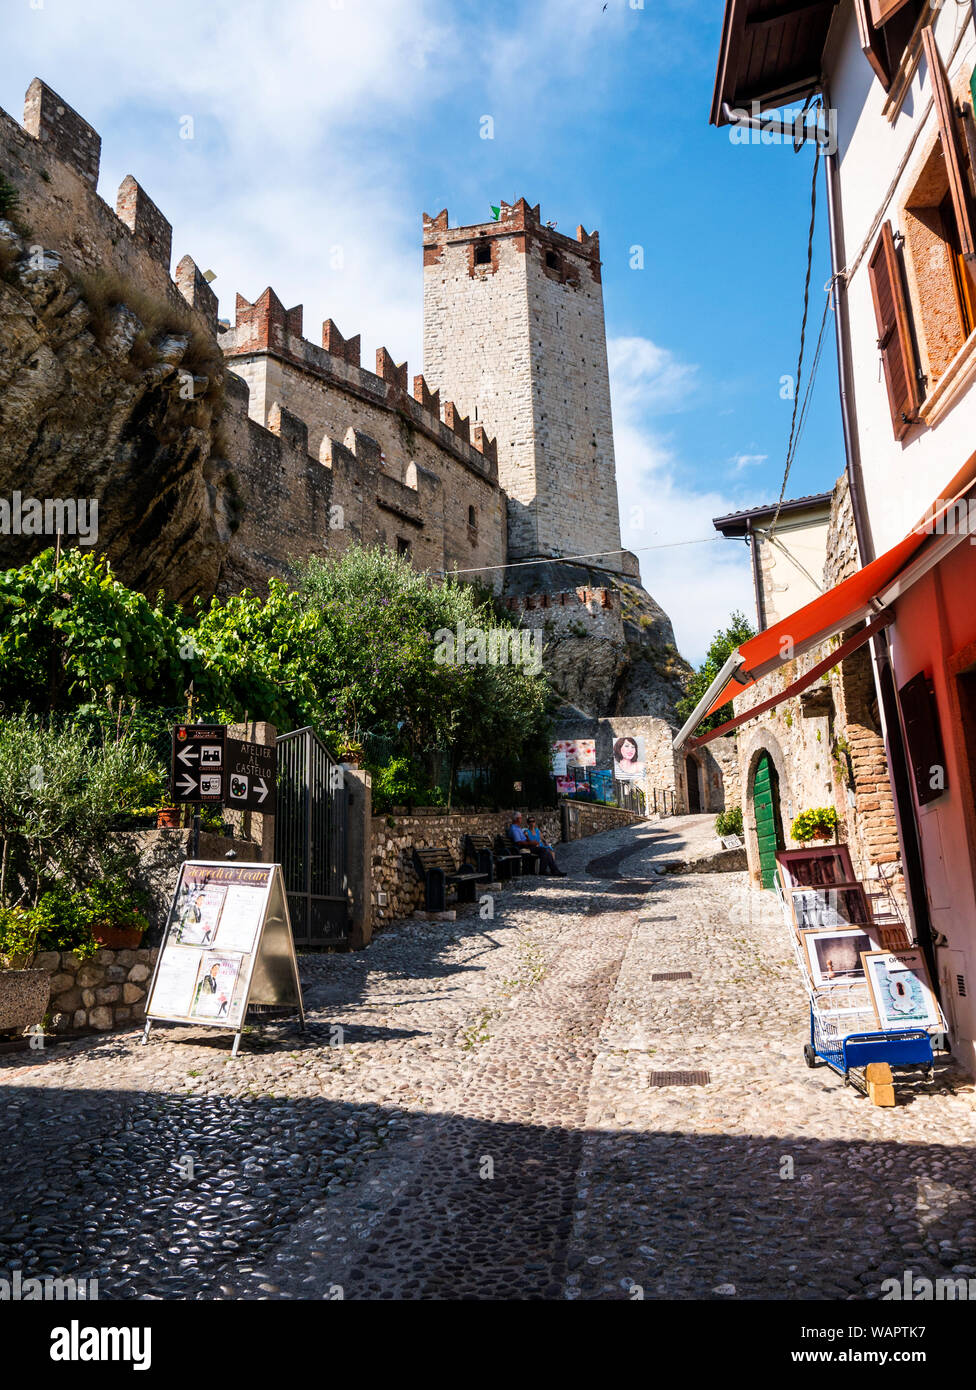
(854, 600)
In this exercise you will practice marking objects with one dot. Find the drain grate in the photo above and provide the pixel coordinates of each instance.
(679, 1078)
(671, 975)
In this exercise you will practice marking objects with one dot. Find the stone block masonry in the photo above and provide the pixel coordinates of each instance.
(108, 991)
(514, 335)
(393, 839)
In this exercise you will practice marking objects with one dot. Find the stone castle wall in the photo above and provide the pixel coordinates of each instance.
(399, 474)
(514, 333)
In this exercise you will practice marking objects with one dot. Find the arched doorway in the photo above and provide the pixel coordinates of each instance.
(769, 825)
(693, 774)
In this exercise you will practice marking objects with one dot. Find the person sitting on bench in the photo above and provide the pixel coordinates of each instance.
(519, 836)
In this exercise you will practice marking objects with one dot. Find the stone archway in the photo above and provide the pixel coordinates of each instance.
(695, 784)
(767, 798)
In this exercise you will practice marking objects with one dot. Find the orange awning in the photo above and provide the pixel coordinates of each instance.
(854, 600)
(850, 602)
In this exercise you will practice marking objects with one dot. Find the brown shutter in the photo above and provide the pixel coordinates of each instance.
(872, 42)
(882, 10)
(951, 143)
(894, 334)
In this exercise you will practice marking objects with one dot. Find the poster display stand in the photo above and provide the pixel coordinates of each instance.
(228, 944)
(848, 955)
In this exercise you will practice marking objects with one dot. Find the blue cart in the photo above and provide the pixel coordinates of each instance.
(845, 1051)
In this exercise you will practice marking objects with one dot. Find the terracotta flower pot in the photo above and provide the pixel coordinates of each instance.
(168, 818)
(117, 938)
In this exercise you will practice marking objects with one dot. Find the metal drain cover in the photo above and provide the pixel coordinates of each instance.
(678, 1078)
(671, 975)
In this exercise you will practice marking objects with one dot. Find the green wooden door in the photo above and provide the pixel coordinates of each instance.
(765, 801)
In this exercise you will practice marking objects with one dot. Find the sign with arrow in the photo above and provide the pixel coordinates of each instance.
(251, 777)
(199, 761)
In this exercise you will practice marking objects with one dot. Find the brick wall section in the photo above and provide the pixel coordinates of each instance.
(520, 346)
(397, 472)
(52, 160)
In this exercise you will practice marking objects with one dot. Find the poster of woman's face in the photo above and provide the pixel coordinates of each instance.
(628, 758)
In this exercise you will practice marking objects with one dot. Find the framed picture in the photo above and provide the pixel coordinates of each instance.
(834, 953)
(815, 868)
(900, 989)
(843, 905)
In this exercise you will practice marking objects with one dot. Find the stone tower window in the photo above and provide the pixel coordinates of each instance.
(403, 546)
(482, 254)
(552, 260)
(472, 516)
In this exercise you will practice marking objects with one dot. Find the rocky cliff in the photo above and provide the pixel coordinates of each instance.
(107, 394)
(609, 647)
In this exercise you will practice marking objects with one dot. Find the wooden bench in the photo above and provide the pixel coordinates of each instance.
(501, 862)
(529, 857)
(438, 872)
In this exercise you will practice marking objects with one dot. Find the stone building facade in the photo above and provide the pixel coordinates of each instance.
(825, 744)
(514, 334)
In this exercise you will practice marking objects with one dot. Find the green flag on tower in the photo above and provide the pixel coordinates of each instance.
(495, 212)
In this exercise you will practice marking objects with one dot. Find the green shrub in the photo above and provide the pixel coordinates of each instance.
(729, 822)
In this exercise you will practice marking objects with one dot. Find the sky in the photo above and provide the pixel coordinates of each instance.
(296, 143)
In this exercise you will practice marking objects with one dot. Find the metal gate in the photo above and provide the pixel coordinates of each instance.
(310, 839)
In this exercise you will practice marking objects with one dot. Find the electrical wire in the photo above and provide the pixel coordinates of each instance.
(570, 559)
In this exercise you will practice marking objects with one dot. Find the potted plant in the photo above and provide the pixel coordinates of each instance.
(817, 823)
(112, 910)
(350, 752)
(24, 991)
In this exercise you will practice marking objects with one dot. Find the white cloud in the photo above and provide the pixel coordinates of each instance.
(698, 585)
(741, 461)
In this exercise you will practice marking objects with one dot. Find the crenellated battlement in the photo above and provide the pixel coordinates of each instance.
(53, 162)
(519, 221)
(589, 598)
(266, 326)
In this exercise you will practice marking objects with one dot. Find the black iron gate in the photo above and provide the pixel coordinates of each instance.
(310, 839)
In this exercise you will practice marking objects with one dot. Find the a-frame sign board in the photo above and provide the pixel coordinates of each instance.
(228, 944)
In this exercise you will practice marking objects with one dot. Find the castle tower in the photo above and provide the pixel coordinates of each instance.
(514, 336)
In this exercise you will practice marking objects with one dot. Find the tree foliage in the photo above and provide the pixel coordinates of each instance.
(724, 643)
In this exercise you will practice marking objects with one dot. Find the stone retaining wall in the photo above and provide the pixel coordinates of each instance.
(108, 991)
(593, 820)
(396, 889)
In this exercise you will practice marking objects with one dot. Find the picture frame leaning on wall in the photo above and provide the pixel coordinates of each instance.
(900, 990)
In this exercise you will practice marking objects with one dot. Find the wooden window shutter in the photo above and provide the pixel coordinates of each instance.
(872, 41)
(882, 10)
(952, 147)
(923, 736)
(894, 333)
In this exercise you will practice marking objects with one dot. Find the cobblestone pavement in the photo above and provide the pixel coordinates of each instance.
(472, 1113)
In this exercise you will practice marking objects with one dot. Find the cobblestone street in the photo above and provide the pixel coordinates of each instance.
(474, 1112)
